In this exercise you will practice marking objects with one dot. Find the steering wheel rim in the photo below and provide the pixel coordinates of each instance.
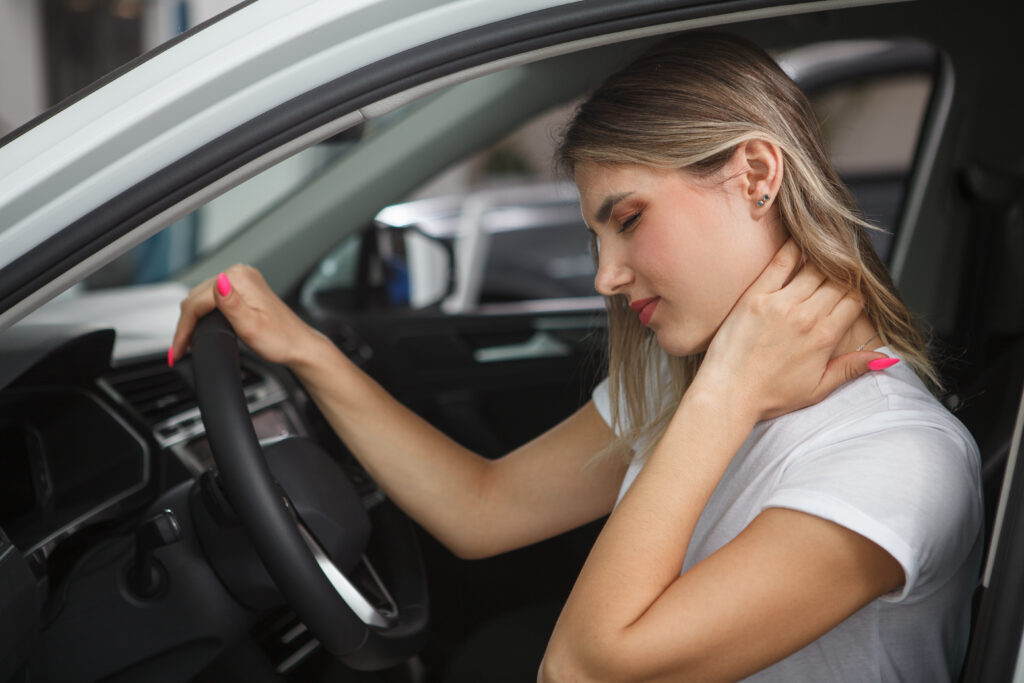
(282, 541)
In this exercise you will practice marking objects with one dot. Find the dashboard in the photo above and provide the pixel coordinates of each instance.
(67, 458)
(85, 440)
(98, 437)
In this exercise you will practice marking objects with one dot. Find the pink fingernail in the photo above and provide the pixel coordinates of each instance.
(882, 363)
(223, 284)
(170, 357)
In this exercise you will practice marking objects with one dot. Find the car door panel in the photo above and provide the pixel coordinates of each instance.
(490, 382)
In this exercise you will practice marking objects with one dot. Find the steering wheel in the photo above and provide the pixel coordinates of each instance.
(308, 524)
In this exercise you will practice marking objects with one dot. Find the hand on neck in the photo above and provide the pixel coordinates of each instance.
(861, 336)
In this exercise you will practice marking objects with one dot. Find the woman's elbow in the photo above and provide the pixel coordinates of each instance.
(559, 667)
(615, 659)
(472, 546)
(563, 663)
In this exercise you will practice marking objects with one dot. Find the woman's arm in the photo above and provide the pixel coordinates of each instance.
(474, 506)
(787, 578)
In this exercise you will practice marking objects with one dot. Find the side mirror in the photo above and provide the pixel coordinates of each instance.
(383, 267)
(418, 268)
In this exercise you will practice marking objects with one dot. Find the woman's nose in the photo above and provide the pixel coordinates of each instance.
(612, 272)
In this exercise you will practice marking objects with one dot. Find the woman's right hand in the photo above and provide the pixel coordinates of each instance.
(779, 349)
(261, 319)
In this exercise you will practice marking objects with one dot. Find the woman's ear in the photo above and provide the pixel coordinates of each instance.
(760, 176)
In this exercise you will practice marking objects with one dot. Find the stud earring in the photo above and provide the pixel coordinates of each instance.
(760, 202)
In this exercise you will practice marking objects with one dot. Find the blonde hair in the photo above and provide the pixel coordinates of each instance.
(686, 104)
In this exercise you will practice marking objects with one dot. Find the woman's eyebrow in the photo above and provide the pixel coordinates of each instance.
(606, 206)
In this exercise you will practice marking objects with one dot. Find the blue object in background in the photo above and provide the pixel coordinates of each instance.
(398, 281)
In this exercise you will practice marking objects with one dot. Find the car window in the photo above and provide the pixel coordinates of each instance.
(545, 258)
(512, 225)
(871, 128)
(184, 242)
(500, 226)
(534, 248)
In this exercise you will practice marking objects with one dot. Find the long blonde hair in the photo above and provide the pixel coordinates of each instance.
(686, 104)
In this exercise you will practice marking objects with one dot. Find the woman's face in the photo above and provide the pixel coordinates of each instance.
(681, 250)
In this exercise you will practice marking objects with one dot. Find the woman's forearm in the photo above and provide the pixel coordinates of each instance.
(477, 507)
(436, 481)
(641, 550)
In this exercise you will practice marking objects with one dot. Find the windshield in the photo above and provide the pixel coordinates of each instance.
(522, 158)
(187, 240)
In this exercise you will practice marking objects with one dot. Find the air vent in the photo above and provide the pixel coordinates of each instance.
(166, 400)
(155, 392)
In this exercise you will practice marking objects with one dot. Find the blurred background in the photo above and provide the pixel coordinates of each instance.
(49, 49)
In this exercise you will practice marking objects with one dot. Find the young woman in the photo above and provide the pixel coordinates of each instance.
(788, 501)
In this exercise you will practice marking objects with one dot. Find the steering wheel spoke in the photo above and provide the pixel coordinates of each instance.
(381, 617)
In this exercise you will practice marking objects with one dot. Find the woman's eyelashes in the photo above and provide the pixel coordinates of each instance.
(629, 222)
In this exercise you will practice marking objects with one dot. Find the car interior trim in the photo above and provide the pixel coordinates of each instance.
(932, 131)
(187, 425)
(38, 552)
(1004, 494)
(389, 104)
(298, 656)
(362, 608)
(581, 303)
(999, 624)
(542, 344)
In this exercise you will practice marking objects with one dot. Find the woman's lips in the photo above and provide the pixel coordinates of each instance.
(645, 308)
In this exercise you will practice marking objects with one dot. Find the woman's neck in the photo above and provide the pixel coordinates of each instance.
(861, 336)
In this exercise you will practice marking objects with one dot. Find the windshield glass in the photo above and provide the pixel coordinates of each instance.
(876, 175)
(208, 227)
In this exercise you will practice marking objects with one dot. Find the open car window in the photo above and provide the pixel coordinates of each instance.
(514, 229)
(212, 225)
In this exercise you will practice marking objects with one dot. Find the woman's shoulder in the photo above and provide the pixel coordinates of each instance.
(891, 410)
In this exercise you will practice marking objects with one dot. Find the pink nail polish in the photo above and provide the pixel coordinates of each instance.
(170, 357)
(223, 284)
(882, 363)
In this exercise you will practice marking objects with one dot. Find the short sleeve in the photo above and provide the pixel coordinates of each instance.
(602, 401)
(658, 377)
(913, 489)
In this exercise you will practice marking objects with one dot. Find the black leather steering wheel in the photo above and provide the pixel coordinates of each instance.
(313, 532)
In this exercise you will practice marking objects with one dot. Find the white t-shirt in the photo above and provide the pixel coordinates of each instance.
(882, 457)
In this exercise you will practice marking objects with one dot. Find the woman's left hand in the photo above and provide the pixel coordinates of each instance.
(774, 352)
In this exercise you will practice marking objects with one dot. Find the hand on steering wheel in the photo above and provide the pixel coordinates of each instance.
(257, 315)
